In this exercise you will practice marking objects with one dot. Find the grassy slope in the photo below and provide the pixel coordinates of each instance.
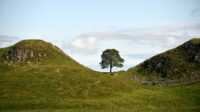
(43, 89)
(60, 84)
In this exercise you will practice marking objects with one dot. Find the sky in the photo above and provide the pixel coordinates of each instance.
(138, 29)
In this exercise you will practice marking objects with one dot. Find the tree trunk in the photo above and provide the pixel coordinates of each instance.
(111, 67)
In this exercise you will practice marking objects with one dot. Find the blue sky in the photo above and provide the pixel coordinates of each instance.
(84, 28)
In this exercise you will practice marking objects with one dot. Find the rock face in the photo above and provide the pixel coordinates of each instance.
(15, 54)
(174, 60)
(28, 51)
(160, 64)
(192, 50)
(34, 52)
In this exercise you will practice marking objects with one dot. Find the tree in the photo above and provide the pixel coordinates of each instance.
(111, 58)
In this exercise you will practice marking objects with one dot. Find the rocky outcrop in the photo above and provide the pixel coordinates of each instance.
(32, 51)
(15, 54)
(167, 63)
(180, 64)
(159, 64)
(192, 50)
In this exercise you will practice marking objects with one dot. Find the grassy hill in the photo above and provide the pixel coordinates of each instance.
(180, 64)
(36, 76)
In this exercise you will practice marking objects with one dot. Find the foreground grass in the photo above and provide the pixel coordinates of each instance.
(142, 99)
(30, 90)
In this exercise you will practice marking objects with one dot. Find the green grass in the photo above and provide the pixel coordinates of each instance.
(47, 86)
(59, 84)
(195, 41)
(43, 88)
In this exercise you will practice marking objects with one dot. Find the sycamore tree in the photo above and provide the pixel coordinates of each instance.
(111, 58)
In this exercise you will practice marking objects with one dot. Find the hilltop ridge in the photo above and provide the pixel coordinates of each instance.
(180, 64)
(34, 51)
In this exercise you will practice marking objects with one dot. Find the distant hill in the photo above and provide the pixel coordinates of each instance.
(181, 64)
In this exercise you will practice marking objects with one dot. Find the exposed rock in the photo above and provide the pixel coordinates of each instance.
(159, 64)
(30, 52)
(193, 51)
(23, 55)
(177, 65)
(197, 58)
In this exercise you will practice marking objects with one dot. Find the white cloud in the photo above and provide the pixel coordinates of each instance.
(134, 44)
(86, 45)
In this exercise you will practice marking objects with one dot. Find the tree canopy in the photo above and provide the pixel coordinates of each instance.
(111, 58)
